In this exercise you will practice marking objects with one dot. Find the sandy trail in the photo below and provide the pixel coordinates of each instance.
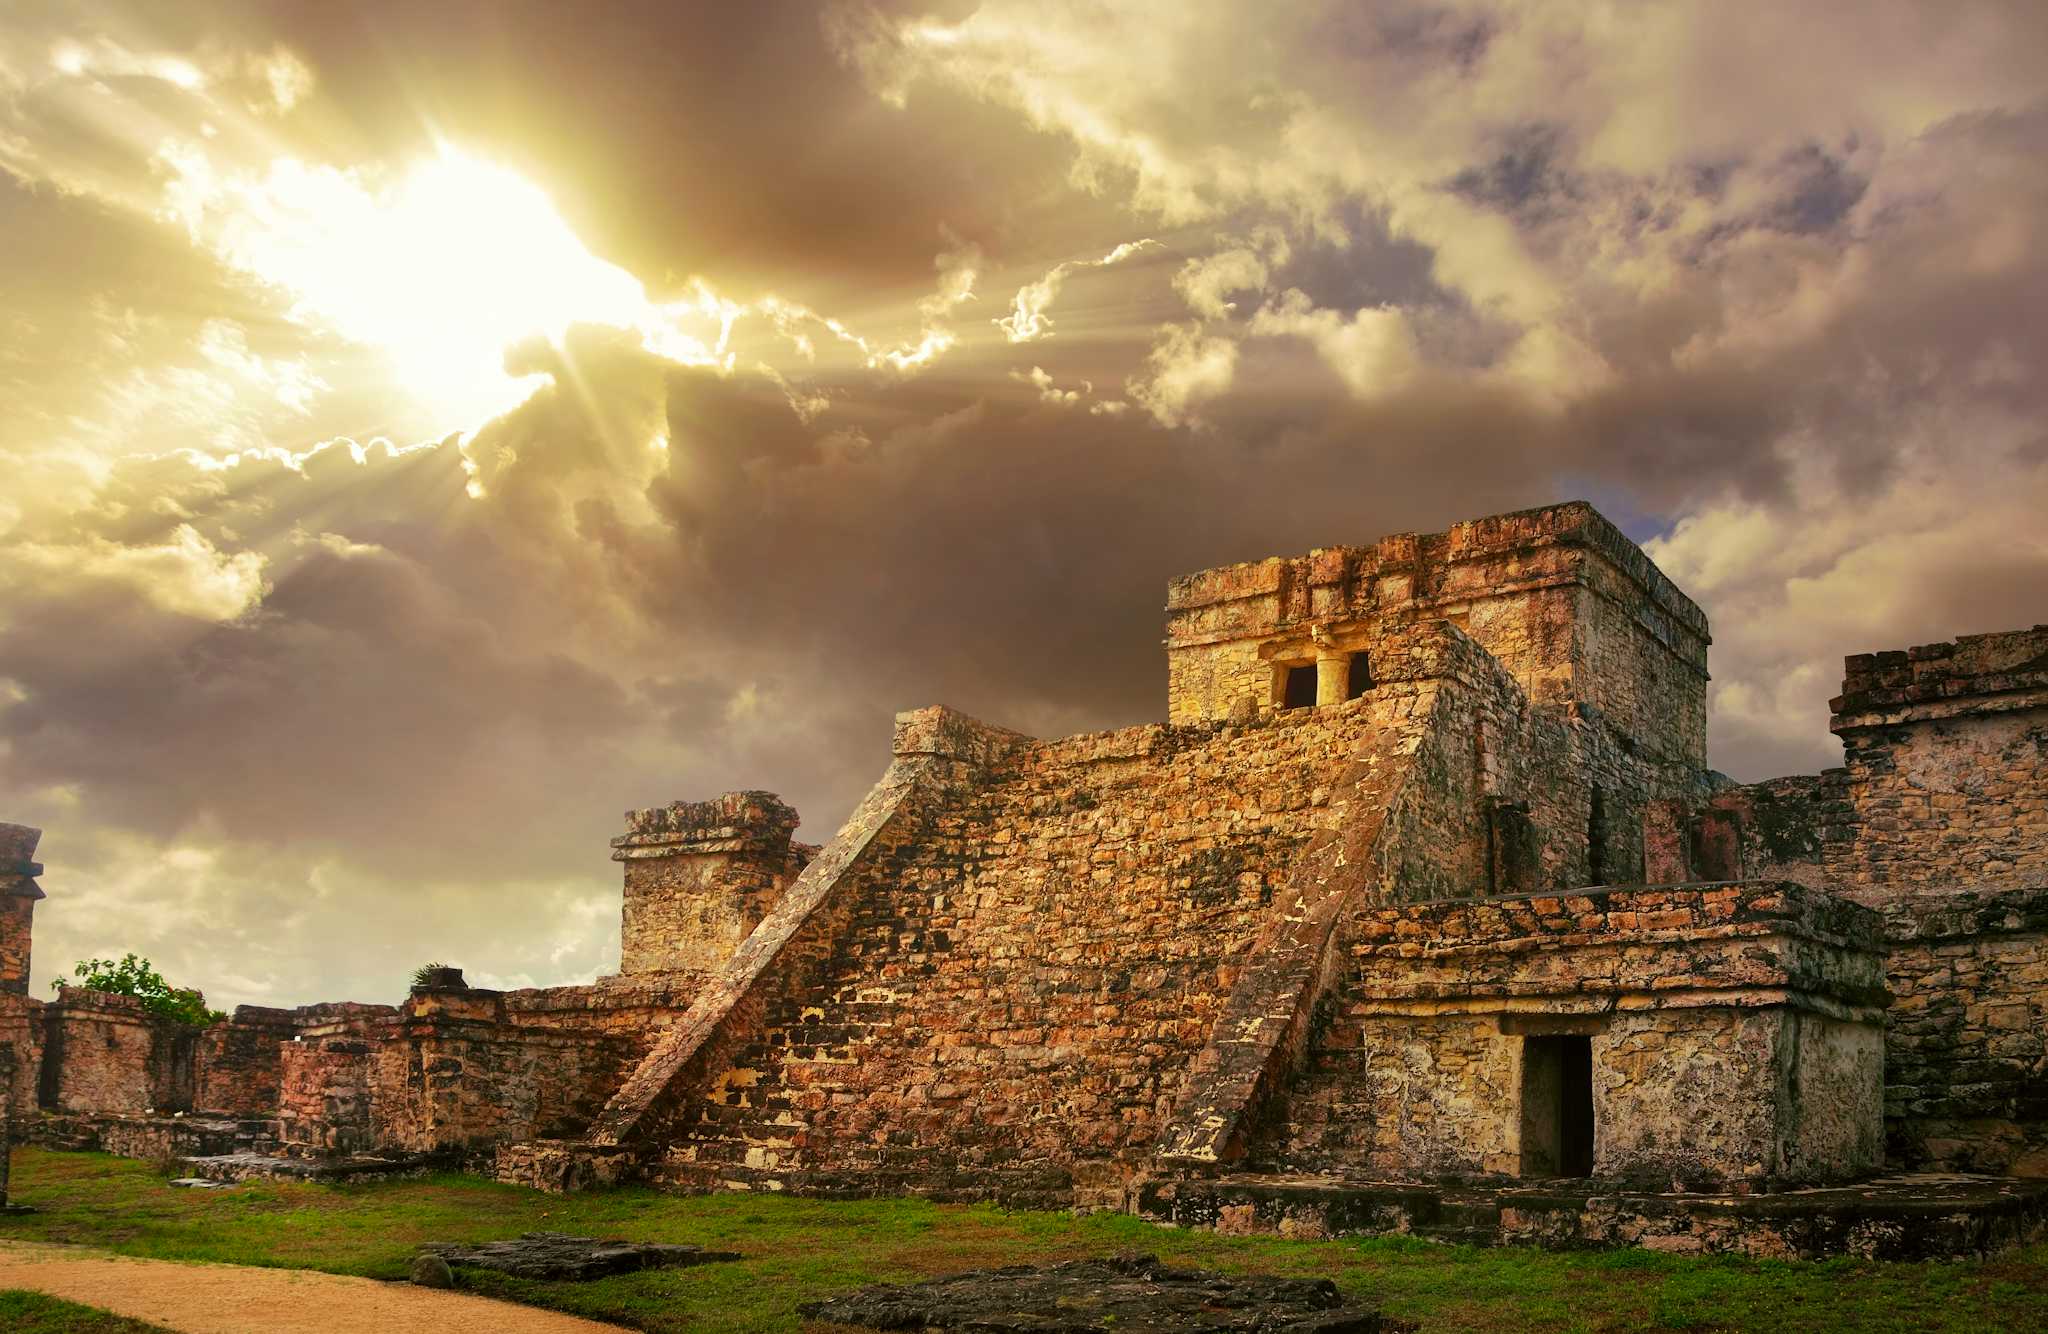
(241, 1299)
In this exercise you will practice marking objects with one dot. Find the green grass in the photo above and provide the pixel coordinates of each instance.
(798, 1250)
(33, 1313)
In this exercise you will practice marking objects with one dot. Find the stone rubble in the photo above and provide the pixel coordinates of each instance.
(558, 1255)
(1127, 1294)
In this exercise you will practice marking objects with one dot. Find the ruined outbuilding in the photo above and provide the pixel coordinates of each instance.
(1422, 912)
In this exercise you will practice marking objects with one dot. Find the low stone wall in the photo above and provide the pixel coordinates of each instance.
(1898, 1218)
(1966, 1071)
(155, 1139)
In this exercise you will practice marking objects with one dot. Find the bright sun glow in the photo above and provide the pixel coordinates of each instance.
(442, 270)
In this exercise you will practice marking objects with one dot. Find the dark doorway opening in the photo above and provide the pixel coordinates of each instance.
(1597, 870)
(1358, 677)
(1300, 692)
(1557, 1106)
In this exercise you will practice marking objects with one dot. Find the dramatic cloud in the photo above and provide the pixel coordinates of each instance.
(421, 449)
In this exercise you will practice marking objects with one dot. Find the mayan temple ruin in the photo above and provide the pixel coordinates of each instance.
(1422, 911)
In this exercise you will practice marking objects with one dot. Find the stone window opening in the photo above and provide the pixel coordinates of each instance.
(1358, 676)
(1557, 1106)
(1298, 687)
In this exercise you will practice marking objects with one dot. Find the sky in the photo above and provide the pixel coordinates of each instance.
(430, 430)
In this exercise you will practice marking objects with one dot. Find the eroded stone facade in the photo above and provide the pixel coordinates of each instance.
(1424, 881)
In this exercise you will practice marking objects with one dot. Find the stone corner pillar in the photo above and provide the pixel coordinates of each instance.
(699, 877)
(18, 894)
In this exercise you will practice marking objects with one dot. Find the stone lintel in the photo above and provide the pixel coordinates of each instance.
(1966, 914)
(1879, 709)
(1565, 1011)
(1737, 944)
(1749, 907)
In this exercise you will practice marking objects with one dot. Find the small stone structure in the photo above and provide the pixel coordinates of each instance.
(1421, 912)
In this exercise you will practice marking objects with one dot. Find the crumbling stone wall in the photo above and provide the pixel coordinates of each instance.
(324, 1077)
(1966, 1072)
(105, 1053)
(240, 1061)
(700, 876)
(453, 1073)
(459, 1069)
(1774, 830)
(1946, 763)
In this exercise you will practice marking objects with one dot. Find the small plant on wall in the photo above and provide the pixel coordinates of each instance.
(136, 976)
(436, 975)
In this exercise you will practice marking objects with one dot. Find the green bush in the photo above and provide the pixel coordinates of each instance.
(137, 977)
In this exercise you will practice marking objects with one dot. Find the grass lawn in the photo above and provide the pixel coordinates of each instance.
(33, 1313)
(798, 1250)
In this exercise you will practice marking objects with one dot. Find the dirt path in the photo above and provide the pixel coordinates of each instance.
(241, 1299)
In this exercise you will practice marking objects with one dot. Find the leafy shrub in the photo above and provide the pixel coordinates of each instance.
(137, 977)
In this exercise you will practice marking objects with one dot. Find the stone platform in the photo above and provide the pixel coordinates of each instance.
(1913, 1217)
(270, 1167)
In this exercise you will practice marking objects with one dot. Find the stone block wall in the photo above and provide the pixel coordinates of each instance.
(23, 1028)
(1573, 609)
(1735, 1034)
(455, 1074)
(1966, 1077)
(1946, 765)
(699, 876)
(239, 1061)
(104, 1053)
(324, 1099)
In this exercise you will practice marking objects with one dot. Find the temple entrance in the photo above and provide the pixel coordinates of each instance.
(1557, 1106)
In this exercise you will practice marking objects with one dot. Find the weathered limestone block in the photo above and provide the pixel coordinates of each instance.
(1774, 830)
